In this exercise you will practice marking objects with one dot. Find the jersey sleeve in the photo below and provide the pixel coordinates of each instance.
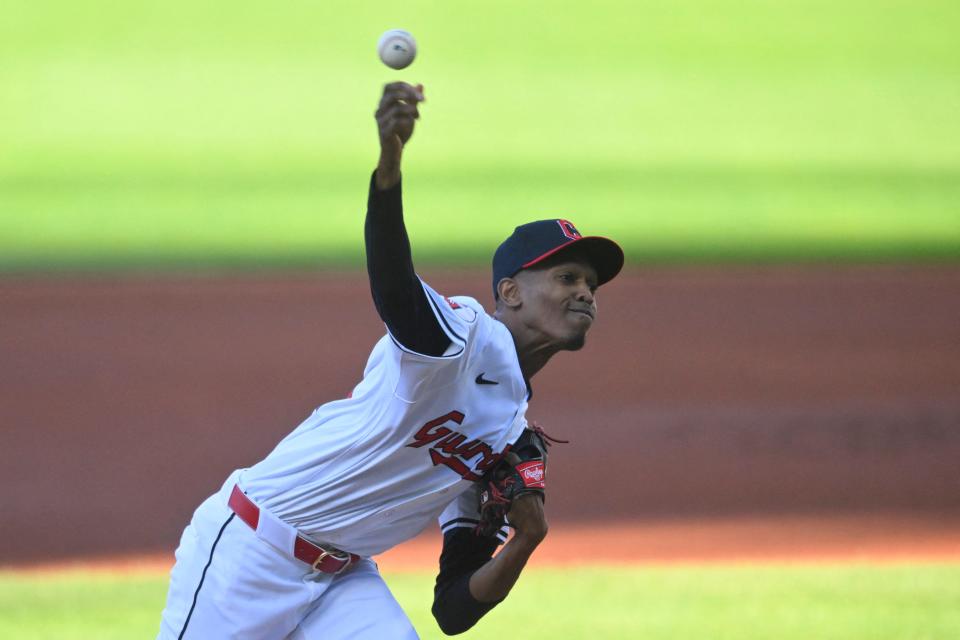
(397, 292)
(454, 607)
(461, 319)
(458, 318)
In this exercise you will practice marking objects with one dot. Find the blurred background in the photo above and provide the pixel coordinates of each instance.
(773, 381)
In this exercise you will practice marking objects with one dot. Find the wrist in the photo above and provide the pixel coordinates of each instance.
(388, 172)
(527, 541)
(386, 179)
(388, 166)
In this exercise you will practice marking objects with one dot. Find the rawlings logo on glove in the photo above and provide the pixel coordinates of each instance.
(532, 473)
(522, 470)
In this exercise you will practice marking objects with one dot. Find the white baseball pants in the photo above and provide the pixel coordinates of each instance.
(228, 583)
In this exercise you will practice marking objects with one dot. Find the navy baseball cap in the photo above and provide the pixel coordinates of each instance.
(534, 242)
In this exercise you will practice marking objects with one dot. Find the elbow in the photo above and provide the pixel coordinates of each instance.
(449, 624)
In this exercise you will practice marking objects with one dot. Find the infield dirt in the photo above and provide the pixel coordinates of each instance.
(742, 412)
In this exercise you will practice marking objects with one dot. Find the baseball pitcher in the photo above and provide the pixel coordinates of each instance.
(435, 430)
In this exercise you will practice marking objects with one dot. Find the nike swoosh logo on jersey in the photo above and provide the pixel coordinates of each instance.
(482, 380)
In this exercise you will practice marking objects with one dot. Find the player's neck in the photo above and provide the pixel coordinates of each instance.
(533, 350)
(534, 359)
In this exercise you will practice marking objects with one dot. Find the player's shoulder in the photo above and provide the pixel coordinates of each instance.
(463, 308)
(484, 328)
(466, 308)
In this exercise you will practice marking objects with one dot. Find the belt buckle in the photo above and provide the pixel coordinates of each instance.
(320, 559)
(346, 558)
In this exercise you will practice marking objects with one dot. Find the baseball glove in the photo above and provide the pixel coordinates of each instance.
(522, 470)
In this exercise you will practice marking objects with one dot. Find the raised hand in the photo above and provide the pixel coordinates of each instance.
(396, 115)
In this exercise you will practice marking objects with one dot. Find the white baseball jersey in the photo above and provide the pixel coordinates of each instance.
(373, 470)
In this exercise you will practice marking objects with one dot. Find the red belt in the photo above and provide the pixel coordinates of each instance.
(317, 557)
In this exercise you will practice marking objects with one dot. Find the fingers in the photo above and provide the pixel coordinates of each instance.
(405, 90)
(397, 119)
(396, 114)
(389, 101)
(523, 508)
(398, 110)
(527, 516)
(411, 92)
(400, 93)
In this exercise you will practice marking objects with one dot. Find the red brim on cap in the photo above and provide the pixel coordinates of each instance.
(604, 254)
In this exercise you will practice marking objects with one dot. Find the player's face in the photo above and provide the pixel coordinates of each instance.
(559, 301)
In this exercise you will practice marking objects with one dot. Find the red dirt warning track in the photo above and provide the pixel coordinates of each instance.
(874, 539)
(738, 413)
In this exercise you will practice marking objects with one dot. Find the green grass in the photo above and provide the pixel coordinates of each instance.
(834, 602)
(184, 134)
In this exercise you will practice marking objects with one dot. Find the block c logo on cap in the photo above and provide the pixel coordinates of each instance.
(569, 230)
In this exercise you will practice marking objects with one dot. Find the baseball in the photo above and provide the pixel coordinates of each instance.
(397, 48)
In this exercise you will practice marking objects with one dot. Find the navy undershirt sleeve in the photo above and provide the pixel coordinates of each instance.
(397, 293)
(454, 607)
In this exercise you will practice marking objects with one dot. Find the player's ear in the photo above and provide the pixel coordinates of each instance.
(509, 293)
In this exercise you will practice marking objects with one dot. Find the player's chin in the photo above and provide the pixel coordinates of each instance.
(575, 340)
(575, 343)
